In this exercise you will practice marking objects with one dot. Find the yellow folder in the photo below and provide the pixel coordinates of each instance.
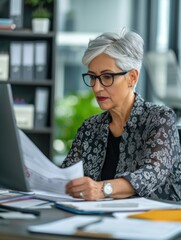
(160, 215)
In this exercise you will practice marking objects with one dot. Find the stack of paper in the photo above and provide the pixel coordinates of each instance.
(12, 196)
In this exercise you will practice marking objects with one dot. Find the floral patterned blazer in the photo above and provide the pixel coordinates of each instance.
(149, 150)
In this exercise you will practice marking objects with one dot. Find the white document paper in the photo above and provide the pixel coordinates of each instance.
(65, 226)
(43, 176)
(17, 215)
(116, 228)
(28, 203)
(121, 205)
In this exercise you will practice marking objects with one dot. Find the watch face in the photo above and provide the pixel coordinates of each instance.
(107, 188)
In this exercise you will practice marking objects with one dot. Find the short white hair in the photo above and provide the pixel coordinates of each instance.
(126, 48)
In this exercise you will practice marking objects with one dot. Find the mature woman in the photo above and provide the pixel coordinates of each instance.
(132, 148)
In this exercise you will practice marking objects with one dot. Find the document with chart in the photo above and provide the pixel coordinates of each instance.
(44, 177)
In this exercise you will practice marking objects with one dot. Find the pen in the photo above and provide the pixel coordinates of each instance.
(82, 227)
(22, 210)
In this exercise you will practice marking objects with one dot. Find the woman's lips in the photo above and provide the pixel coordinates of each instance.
(101, 99)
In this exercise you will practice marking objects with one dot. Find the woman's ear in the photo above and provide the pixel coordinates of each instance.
(133, 77)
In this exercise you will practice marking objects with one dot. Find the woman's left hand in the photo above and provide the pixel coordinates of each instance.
(85, 188)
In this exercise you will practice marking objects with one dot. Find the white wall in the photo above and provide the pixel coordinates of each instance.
(96, 15)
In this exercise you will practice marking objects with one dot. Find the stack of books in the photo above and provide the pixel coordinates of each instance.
(7, 24)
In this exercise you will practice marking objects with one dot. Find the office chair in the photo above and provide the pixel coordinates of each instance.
(165, 77)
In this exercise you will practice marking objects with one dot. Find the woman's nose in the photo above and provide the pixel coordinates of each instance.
(98, 86)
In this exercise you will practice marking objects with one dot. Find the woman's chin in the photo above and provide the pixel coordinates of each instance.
(103, 107)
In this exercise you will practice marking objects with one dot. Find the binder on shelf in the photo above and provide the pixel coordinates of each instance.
(15, 60)
(24, 114)
(16, 12)
(41, 107)
(40, 60)
(4, 67)
(27, 61)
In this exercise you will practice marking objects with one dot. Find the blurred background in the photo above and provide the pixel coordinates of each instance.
(157, 21)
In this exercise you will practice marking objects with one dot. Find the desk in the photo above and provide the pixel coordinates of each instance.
(17, 229)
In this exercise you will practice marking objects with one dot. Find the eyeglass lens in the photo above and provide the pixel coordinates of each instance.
(105, 79)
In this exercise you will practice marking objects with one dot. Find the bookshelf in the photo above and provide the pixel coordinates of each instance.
(30, 90)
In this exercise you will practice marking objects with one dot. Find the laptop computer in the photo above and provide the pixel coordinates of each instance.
(12, 175)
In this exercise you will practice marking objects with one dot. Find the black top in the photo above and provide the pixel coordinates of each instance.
(112, 157)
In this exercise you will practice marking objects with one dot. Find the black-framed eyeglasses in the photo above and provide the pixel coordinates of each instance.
(106, 79)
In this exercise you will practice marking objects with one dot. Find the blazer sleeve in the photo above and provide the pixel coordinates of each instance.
(158, 175)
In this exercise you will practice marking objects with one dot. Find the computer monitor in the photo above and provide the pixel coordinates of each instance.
(12, 175)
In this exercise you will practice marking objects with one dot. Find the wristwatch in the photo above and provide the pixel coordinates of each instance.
(107, 189)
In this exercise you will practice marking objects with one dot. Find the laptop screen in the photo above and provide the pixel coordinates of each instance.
(11, 158)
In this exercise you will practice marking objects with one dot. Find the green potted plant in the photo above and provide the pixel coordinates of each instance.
(69, 115)
(40, 15)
